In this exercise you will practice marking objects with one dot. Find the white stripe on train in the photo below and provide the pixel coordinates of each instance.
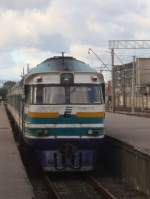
(29, 125)
(64, 137)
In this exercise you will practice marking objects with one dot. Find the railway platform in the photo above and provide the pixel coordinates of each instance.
(14, 183)
(128, 149)
(129, 129)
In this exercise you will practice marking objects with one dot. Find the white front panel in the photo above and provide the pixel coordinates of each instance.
(30, 125)
(54, 78)
(44, 79)
(85, 78)
(62, 108)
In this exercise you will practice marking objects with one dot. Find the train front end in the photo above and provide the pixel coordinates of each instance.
(64, 118)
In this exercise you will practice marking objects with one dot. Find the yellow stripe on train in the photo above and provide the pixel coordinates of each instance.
(43, 114)
(56, 114)
(90, 114)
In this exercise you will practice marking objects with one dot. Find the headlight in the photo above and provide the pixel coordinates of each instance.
(42, 132)
(37, 132)
(93, 132)
(90, 132)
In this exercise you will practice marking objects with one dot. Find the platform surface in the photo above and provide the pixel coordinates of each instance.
(132, 130)
(14, 183)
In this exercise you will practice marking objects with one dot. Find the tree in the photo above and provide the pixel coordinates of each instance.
(4, 90)
(9, 84)
(3, 93)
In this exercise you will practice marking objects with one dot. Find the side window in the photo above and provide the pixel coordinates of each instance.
(103, 91)
(28, 94)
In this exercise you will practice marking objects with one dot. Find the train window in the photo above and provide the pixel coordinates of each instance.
(48, 95)
(43, 94)
(54, 95)
(86, 95)
(38, 95)
(28, 94)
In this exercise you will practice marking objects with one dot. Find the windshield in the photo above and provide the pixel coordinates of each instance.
(49, 95)
(42, 94)
(54, 95)
(85, 95)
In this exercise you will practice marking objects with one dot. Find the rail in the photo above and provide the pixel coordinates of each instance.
(83, 186)
(100, 188)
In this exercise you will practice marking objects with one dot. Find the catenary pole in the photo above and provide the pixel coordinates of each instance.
(113, 80)
(133, 86)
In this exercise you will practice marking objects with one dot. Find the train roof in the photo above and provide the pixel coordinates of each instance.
(61, 63)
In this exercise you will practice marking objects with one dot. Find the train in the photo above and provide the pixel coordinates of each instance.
(59, 108)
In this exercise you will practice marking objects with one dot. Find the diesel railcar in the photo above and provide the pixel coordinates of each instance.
(59, 108)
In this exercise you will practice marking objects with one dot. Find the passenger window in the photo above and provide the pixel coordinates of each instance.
(28, 94)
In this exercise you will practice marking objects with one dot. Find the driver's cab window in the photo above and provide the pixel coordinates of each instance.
(39, 95)
(28, 94)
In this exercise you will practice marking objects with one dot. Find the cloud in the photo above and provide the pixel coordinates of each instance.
(53, 42)
(24, 4)
(59, 26)
(8, 68)
(35, 29)
(30, 30)
(6, 60)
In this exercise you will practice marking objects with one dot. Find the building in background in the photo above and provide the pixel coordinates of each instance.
(132, 85)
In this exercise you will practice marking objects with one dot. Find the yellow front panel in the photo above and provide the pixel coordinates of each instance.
(43, 114)
(90, 114)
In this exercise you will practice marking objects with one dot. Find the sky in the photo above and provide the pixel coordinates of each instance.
(33, 30)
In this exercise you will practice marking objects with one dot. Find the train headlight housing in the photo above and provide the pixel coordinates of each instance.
(93, 132)
(67, 79)
(42, 132)
(90, 132)
(37, 132)
(45, 132)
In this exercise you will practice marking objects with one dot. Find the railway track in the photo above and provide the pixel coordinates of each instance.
(76, 187)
